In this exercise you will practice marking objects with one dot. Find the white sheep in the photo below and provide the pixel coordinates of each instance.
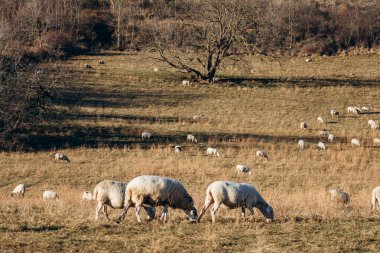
(323, 133)
(376, 141)
(339, 196)
(146, 135)
(376, 198)
(158, 191)
(155, 69)
(320, 120)
(334, 113)
(212, 151)
(352, 110)
(243, 168)
(366, 109)
(112, 193)
(262, 153)
(308, 59)
(235, 195)
(192, 138)
(375, 127)
(46, 195)
(355, 142)
(358, 109)
(186, 82)
(331, 137)
(215, 79)
(19, 190)
(177, 149)
(371, 122)
(301, 144)
(198, 116)
(61, 157)
(303, 125)
(87, 196)
(321, 145)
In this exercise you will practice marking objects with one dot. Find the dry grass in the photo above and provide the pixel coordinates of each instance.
(124, 97)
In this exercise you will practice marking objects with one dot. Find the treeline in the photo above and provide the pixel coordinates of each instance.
(64, 27)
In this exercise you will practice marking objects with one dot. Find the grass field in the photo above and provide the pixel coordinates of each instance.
(113, 103)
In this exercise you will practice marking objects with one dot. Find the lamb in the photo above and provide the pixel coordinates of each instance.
(355, 142)
(61, 157)
(339, 196)
(177, 149)
(158, 191)
(19, 190)
(301, 144)
(87, 66)
(87, 196)
(112, 193)
(234, 195)
(243, 168)
(198, 116)
(192, 138)
(321, 145)
(46, 195)
(376, 141)
(371, 122)
(366, 109)
(331, 138)
(212, 151)
(303, 125)
(146, 135)
(100, 62)
(376, 198)
(320, 120)
(323, 133)
(334, 113)
(352, 110)
(186, 82)
(262, 153)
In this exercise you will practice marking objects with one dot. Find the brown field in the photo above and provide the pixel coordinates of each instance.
(113, 103)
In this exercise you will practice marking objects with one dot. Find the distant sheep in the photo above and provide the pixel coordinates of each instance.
(375, 127)
(243, 168)
(358, 109)
(262, 153)
(87, 196)
(146, 135)
(61, 157)
(321, 145)
(177, 149)
(100, 62)
(366, 109)
(301, 144)
(320, 120)
(371, 122)
(339, 196)
(334, 113)
(235, 195)
(155, 69)
(331, 137)
(186, 82)
(355, 142)
(158, 191)
(191, 138)
(308, 60)
(87, 66)
(198, 116)
(352, 110)
(323, 133)
(376, 198)
(212, 151)
(376, 141)
(215, 79)
(19, 190)
(303, 125)
(46, 195)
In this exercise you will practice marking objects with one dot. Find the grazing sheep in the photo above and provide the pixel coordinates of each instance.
(262, 153)
(355, 142)
(155, 69)
(100, 62)
(376, 141)
(371, 122)
(301, 144)
(158, 191)
(331, 138)
(303, 125)
(334, 113)
(186, 82)
(375, 127)
(198, 116)
(339, 196)
(321, 145)
(61, 157)
(308, 60)
(352, 110)
(323, 133)
(192, 138)
(358, 109)
(87, 66)
(46, 195)
(19, 190)
(87, 196)
(320, 120)
(365, 109)
(243, 168)
(235, 195)
(146, 135)
(215, 79)
(177, 149)
(112, 193)
(376, 198)
(212, 151)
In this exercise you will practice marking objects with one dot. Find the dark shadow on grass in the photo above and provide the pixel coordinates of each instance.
(38, 229)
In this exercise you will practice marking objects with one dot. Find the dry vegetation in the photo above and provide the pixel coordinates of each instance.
(119, 100)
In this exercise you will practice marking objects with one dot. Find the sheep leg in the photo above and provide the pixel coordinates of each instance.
(123, 213)
(98, 208)
(204, 209)
(250, 208)
(105, 212)
(213, 211)
(243, 212)
(164, 214)
(137, 212)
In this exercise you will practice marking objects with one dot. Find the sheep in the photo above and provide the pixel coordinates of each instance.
(192, 138)
(371, 122)
(87, 66)
(262, 153)
(177, 149)
(112, 193)
(323, 133)
(155, 69)
(234, 195)
(146, 135)
(46, 195)
(301, 144)
(352, 110)
(212, 151)
(334, 113)
(158, 191)
(243, 168)
(87, 196)
(355, 142)
(376, 141)
(365, 109)
(321, 145)
(186, 82)
(358, 109)
(339, 196)
(303, 125)
(375, 127)
(61, 157)
(320, 120)
(308, 60)
(331, 137)
(198, 116)
(376, 198)
(19, 190)
(100, 62)
(215, 79)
